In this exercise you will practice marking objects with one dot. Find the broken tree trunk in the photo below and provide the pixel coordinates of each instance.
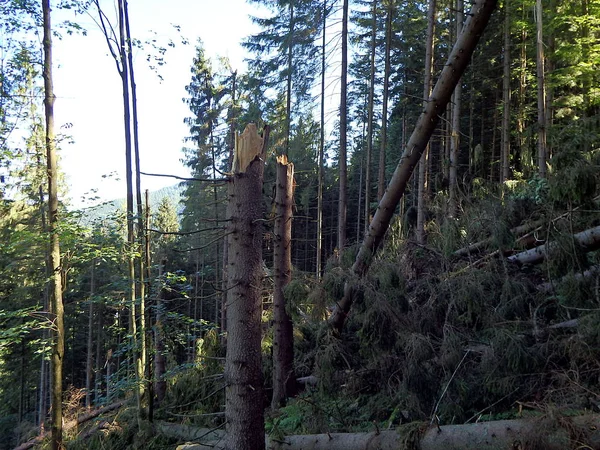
(549, 287)
(284, 382)
(243, 371)
(453, 70)
(588, 239)
(550, 434)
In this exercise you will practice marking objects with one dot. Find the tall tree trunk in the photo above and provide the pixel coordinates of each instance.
(505, 152)
(57, 310)
(131, 241)
(288, 100)
(455, 135)
(89, 362)
(391, 8)
(284, 382)
(343, 196)
(321, 148)
(243, 372)
(143, 276)
(160, 360)
(369, 156)
(454, 68)
(541, 91)
(420, 231)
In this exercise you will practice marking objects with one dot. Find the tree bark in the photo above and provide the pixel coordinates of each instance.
(243, 372)
(455, 135)
(386, 88)
(89, 370)
(343, 196)
(453, 70)
(588, 239)
(321, 148)
(558, 434)
(421, 189)
(369, 155)
(541, 90)
(505, 152)
(57, 309)
(160, 360)
(284, 382)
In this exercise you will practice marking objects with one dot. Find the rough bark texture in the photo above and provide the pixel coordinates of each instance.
(369, 156)
(57, 310)
(284, 384)
(453, 70)
(243, 374)
(588, 239)
(550, 434)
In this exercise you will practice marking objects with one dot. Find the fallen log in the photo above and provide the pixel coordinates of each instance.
(560, 433)
(589, 240)
(70, 424)
(549, 287)
(529, 228)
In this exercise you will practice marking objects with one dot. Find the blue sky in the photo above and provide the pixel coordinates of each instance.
(89, 97)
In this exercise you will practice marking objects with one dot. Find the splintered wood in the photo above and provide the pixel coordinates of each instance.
(248, 146)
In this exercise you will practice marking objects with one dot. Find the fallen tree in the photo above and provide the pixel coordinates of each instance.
(548, 433)
(589, 240)
(436, 104)
(71, 424)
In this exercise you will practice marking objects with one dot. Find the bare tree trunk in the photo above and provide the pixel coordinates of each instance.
(455, 135)
(391, 9)
(505, 152)
(89, 370)
(541, 81)
(343, 196)
(284, 381)
(369, 156)
(160, 360)
(243, 372)
(321, 149)
(420, 231)
(57, 310)
(457, 63)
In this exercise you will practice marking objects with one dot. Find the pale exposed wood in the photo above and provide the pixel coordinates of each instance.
(243, 369)
(588, 239)
(549, 434)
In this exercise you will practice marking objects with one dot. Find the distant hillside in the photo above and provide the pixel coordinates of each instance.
(107, 209)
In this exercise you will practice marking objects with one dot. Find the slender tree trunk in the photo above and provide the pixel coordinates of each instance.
(160, 360)
(369, 156)
(141, 364)
(243, 372)
(57, 311)
(457, 62)
(455, 136)
(284, 381)
(504, 173)
(288, 106)
(541, 81)
(420, 231)
(343, 198)
(321, 149)
(89, 369)
(386, 88)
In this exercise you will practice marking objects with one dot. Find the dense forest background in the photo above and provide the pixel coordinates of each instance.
(452, 323)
